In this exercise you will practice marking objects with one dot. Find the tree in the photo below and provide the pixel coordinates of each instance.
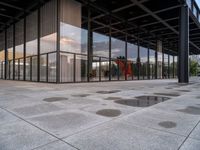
(193, 68)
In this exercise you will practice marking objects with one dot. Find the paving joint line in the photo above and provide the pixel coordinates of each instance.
(40, 128)
(188, 135)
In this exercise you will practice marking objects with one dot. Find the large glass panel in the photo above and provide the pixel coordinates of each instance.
(175, 66)
(171, 71)
(132, 53)
(104, 69)
(159, 65)
(10, 51)
(94, 75)
(16, 69)
(19, 47)
(81, 68)
(28, 68)
(34, 72)
(73, 39)
(166, 67)
(152, 62)
(52, 67)
(114, 70)
(31, 46)
(118, 59)
(67, 67)
(21, 69)
(43, 67)
(19, 39)
(100, 64)
(48, 27)
(100, 45)
(31, 34)
(143, 60)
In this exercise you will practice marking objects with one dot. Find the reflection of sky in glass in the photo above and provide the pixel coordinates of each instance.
(100, 45)
(151, 56)
(118, 48)
(166, 59)
(73, 39)
(143, 54)
(132, 52)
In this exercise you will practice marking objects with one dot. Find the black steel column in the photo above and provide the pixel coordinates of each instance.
(156, 61)
(173, 68)
(6, 56)
(14, 52)
(183, 55)
(148, 64)
(138, 59)
(110, 34)
(89, 62)
(38, 44)
(58, 44)
(126, 63)
(168, 66)
(163, 64)
(24, 49)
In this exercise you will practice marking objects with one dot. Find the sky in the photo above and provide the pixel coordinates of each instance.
(198, 2)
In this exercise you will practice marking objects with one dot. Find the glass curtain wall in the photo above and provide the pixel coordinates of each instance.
(144, 64)
(132, 53)
(48, 41)
(73, 43)
(2, 54)
(152, 62)
(171, 71)
(100, 52)
(118, 59)
(19, 50)
(175, 66)
(10, 52)
(32, 46)
(165, 67)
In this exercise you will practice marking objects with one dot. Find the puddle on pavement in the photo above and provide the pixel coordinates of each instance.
(190, 110)
(168, 94)
(153, 98)
(184, 90)
(109, 112)
(108, 92)
(80, 95)
(112, 98)
(167, 124)
(168, 88)
(142, 101)
(54, 99)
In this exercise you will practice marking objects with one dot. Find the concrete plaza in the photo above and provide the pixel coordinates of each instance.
(130, 115)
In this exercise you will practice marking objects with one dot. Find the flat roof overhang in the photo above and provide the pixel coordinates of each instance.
(143, 20)
(146, 20)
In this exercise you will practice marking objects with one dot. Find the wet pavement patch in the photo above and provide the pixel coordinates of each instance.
(112, 98)
(168, 88)
(168, 94)
(184, 90)
(109, 112)
(190, 110)
(54, 99)
(167, 124)
(108, 92)
(142, 101)
(152, 98)
(80, 95)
